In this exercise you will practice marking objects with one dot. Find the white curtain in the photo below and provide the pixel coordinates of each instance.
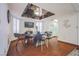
(16, 23)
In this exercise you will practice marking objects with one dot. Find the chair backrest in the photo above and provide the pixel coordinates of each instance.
(38, 36)
(21, 36)
(16, 34)
(27, 33)
(44, 37)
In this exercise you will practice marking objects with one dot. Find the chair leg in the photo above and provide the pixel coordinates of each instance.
(23, 42)
(41, 46)
(37, 44)
(17, 45)
(46, 43)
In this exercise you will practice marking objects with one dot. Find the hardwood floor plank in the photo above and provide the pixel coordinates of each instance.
(62, 50)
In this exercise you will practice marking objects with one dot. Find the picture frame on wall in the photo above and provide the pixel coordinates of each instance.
(29, 24)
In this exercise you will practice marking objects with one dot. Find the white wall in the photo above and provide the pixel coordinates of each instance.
(46, 24)
(68, 34)
(4, 30)
(23, 29)
(78, 27)
(11, 34)
(17, 8)
(65, 34)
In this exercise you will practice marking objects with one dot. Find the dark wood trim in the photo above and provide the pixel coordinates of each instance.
(77, 46)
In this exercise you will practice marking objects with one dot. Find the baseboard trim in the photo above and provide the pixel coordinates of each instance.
(77, 46)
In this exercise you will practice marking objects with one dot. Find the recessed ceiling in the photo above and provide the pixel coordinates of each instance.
(35, 12)
(59, 9)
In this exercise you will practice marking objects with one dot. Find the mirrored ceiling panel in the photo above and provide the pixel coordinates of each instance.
(35, 12)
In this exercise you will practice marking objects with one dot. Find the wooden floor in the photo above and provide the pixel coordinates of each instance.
(62, 49)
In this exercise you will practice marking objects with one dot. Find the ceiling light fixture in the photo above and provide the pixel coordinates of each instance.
(38, 11)
(55, 20)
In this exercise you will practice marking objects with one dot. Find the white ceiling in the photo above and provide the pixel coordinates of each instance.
(17, 8)
(58, 8)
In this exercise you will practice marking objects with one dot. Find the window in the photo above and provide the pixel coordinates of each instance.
(39, 26)
(16, 23)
